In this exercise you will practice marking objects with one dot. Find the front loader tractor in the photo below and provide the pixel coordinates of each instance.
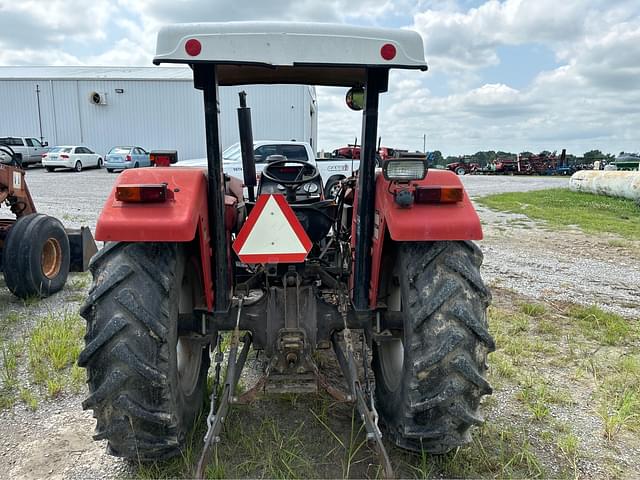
(385, 271)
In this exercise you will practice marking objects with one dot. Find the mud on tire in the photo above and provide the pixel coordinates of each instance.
(144, 390)
(428, 391)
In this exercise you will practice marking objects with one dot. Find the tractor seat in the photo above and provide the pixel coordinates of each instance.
(316, 218)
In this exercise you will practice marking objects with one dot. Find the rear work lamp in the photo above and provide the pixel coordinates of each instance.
(147, 193)
(404, 170)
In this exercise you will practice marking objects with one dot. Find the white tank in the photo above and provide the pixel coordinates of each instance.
(612, 184)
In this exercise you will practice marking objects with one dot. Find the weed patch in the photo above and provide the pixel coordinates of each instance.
(533, 309)
(605, 327)
(53, 348)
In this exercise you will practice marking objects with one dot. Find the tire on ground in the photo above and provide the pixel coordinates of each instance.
(36, 256)
(440, 367)
(145, 399)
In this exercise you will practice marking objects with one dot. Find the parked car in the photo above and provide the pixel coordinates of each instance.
(71, 156)
(120, 158)
(29, 149)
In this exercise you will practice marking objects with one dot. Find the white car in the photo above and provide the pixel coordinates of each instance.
(71, 156)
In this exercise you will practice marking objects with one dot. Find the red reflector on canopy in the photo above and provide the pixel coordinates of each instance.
(193, 47)
(388, 51)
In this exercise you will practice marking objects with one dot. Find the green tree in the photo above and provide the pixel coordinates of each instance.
(593, 155)
(437, 158)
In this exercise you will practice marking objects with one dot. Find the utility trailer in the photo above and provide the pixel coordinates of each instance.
(188, 257)
(36, 251)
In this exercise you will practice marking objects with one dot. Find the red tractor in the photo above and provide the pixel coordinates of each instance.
(463, 168)
(390, 260)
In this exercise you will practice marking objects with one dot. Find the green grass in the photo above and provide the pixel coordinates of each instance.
(532, 309)
(28, 397)
(8, 320)
(495, 452)
(562, 208)
(53, 348)
(606, 327)
(9, 354)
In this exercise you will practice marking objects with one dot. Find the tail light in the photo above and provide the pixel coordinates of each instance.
(128, 158)
(148, 193)
(163, 158)
(64, 156)
(44, 155)
(439, 194)
(404, 170)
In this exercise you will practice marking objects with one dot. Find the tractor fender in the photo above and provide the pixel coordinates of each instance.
(420, 222)
(175, 220)
(184, 218)
(427, 222)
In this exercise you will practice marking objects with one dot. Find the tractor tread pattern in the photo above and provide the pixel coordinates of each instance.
(126, 351)
(449, 343)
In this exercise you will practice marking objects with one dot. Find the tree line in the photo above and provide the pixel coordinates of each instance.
(483, 158)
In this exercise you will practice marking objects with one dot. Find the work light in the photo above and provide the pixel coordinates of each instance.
(404, 170)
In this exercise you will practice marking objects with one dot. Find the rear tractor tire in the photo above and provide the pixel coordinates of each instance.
(430, 377)
(36, 256)
(146, 379)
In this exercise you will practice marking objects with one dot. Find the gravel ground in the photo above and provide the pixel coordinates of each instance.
(520, 256)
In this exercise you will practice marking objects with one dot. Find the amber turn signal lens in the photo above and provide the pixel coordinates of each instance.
(142, 193)
(439, 194)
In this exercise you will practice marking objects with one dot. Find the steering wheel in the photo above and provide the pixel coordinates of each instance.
(9, 151)
(291, 186)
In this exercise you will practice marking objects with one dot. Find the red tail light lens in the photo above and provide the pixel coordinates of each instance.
(128, 158)
(64, 156)
(149, 193)
(439, 194)
(44, 155)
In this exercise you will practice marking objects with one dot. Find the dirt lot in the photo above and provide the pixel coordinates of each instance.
(566, 378)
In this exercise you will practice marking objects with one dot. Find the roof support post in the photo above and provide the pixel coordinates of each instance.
(377, 82)
(205, 79)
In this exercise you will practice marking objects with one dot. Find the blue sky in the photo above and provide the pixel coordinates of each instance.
(509, 75)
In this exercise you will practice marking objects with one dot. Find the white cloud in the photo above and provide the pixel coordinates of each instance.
(588, 101)
(46, 22)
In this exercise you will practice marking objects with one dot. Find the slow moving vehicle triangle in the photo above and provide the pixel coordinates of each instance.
(272, 234)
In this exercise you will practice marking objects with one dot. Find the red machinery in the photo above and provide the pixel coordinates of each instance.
(189, 256)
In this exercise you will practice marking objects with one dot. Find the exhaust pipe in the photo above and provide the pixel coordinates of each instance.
(246, 145)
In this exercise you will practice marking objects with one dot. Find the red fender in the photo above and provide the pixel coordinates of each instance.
(420, 222)
(176, 220)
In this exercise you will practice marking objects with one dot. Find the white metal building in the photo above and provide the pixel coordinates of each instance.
(152, 107)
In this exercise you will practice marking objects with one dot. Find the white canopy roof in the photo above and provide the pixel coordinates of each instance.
(292, 52)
